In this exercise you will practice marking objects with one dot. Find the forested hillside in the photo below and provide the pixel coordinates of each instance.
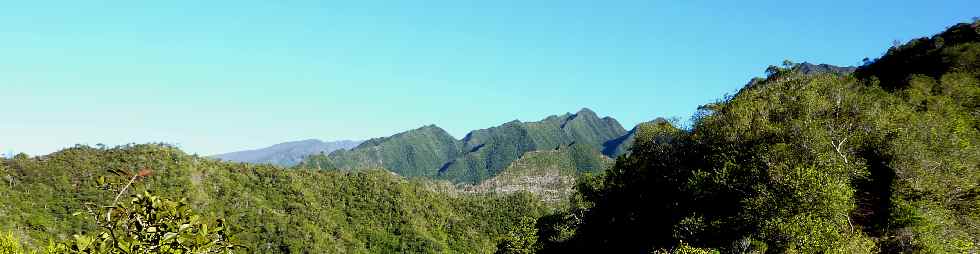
(431, 152)
(414, 153)
(887, 160)
(268, 209)
(550, 175)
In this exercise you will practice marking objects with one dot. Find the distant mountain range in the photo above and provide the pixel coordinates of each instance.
(287, 154)
(431, 152)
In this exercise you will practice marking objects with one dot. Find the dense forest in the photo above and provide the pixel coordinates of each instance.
(268, 209)
(884, 158)
(431, 152)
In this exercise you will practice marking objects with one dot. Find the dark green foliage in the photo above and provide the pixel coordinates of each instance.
(269, 209)
(622, 145)
(521, 238)
(491, 150)
(954, 50)
(430, 152)
(811, 163)
(319, 161)
(419, 152)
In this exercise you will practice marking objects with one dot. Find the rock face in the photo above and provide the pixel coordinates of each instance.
(287, 154)
(549, 174)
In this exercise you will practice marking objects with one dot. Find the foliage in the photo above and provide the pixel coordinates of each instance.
(10, 244)
(149, 224)
(883, 160)
(550, 174)
(433, 153)
(624, 144)
(955, 49)
(807, 162)
(270, 209)
(521, 238)
(490, 151)
(684, 248)
(419, 152)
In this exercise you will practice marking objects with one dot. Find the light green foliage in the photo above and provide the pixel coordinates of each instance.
(10, 244)
(149, 224)
(268, 209)
(684, 248)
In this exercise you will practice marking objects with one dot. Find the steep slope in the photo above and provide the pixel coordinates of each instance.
(549, 174)
(490, 150)
(418, 152)
(622, 145)
(954, 49)
(287, 154)
(431, 152)
(884, 161)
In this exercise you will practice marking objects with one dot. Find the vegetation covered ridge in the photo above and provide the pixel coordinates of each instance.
(261, 207)
(431, 152)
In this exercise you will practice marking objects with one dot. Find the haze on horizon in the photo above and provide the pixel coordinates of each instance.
(233, 75)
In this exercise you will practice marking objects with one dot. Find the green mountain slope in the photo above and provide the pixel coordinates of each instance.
(270, 209)
(414, 153)
(431, 152)
(549, 174)
(622, 145)
(885, 160)
(491, 150)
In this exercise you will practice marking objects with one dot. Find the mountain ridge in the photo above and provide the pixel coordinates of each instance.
(429, 151)
(286, 153)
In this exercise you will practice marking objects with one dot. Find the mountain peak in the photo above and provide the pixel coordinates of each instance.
(586, 111)
(429, 127)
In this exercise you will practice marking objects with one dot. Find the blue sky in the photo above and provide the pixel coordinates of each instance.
(219, 76)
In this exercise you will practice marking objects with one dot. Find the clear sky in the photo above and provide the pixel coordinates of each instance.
(220, 76)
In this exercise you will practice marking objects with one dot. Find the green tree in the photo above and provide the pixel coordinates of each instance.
(150, 224)
(521, 238)
(10, 244)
